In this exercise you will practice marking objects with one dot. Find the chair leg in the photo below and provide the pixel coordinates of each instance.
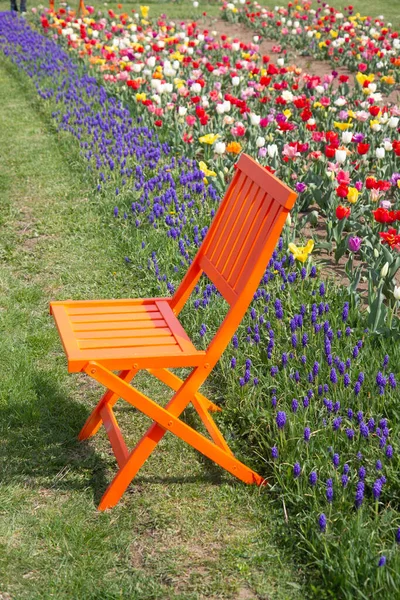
(94, 421)
(166, 419)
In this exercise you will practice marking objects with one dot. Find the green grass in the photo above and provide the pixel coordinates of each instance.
(184, 529)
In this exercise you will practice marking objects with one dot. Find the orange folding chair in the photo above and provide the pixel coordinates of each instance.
(102, 336)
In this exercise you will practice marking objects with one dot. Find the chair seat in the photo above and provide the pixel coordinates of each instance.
(122, 334)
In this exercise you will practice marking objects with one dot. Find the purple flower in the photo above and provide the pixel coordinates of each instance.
(350, 433)
(398, 535)
(389, 451)
(364, 429)
(322, 522)
(362, 472)
(345, 480)
(359, 494)
(329, 494)
(313, 478)
(354, 244)
(296, 470)
(300, 187)
(295, 405)
(382, 561)
(281, 419)
(307, 434)
(377, 488)
(274, 452)
(336, 460)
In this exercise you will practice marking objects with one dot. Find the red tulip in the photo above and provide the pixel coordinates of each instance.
(342, 212)
(342, 190)
(362, 148)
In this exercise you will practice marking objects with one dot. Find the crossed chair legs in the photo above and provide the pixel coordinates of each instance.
(165, 419)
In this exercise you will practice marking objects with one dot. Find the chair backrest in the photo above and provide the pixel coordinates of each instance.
(241, 238)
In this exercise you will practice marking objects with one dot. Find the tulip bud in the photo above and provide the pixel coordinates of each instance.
(289, 222)
(260, 142)
(340, 156)
(396, 292)
(354, 244)
(376, 253)
(219, 147)
(255, 119)
(384, 270)
(393, 122)
(347, 136)
(272, 150)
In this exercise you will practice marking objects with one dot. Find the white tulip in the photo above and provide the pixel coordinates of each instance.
(393, 122)
(151, 61)
(195, 88)
(347, 136)
(260, 142)
(195, 4)
(380, 153)
(255, 119)
(272, 150)
(280, 62)
(340, 156)
(235, 81)
(288, 220)
(396, 292)
(227, 105)
(236, 46)
(182, 110)
(219, 147)
(388, 146)
(372, 87)
(376, 253)
(376, 127)
(384, 270)
(220, 109)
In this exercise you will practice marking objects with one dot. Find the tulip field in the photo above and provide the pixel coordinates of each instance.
(159, 110)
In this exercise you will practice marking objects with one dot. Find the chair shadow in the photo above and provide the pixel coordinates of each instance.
(39, 446)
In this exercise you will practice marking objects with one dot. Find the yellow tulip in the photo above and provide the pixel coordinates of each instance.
(342, 126)
(145, 11)
(352, 196)
(203, 167)
(209, 138)
(301, 253)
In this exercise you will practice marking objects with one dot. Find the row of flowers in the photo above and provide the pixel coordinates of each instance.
(337, 142)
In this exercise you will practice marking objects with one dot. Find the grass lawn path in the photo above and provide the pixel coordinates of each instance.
(183, 529)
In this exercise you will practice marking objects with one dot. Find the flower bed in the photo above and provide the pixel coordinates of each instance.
(211, 98)
(310, 391)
